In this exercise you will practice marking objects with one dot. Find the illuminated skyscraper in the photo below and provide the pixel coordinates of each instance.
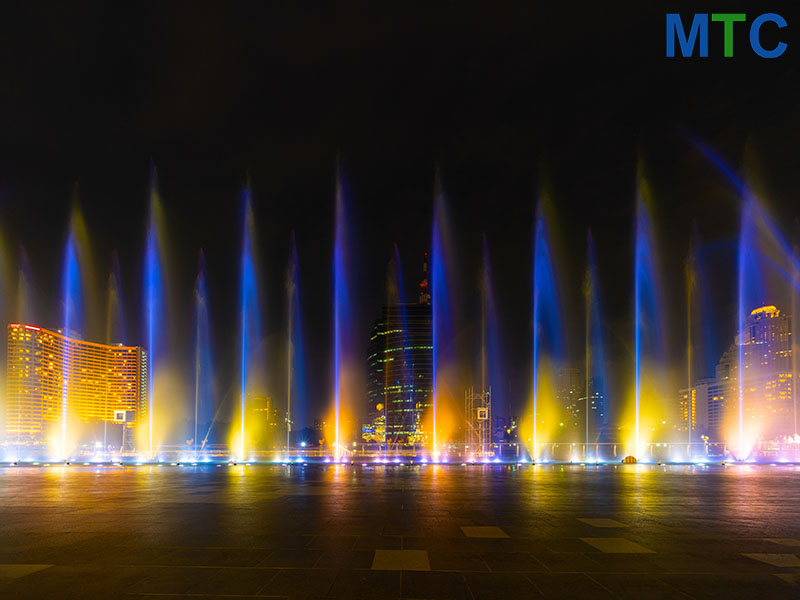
(400, 368)
(766, 357)
(597, 404)
(766, 343)
(570, 393)
(46, 371)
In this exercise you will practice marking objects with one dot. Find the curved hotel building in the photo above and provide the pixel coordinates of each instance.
(53, 379)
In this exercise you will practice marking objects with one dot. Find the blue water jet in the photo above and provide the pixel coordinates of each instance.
(250, 321)
(154, 304)
(296, 400)
(548, 326)
(203, 362)
(596, 376)
(343, 316)
(648, 310)
(442, 315)
(72, 321)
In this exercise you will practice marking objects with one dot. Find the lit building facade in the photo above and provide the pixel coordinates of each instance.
(571, 394)
(700, 410)
(597, 404)
(400, 369)
(265, 426)
(48, 372)
(764, 348)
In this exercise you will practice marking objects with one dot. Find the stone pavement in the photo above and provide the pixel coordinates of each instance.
(474, 532)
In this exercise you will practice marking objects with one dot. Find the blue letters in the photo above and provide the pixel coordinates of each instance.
(675, 28)
(755, 42)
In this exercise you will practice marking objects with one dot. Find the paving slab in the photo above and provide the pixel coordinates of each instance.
(602, 522)
(776, 560)
(15, 571)
(401, 560)
(483, 531)
(617, 546)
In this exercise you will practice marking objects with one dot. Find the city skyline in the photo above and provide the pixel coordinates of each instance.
(35, 409)
(502, 140)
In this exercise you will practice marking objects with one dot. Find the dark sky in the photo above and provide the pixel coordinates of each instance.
(501, 96)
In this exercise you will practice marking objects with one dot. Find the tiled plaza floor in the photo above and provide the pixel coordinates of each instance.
(475, 532)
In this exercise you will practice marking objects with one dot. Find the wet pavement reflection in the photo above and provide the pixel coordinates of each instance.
(342, 531)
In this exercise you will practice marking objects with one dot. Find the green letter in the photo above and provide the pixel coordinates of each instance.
(728, 19)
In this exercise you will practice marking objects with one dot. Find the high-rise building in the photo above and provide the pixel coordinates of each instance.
(764, 349)
(597, 403)
(266, 426)
(570, 395)
(693, 409)
(48, 371)
(400, 368)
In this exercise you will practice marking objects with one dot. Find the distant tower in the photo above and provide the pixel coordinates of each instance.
(424, 288)
(764, 347)
(400, 367)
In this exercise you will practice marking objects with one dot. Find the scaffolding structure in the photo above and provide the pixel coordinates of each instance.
(478, 430)
(125, 418)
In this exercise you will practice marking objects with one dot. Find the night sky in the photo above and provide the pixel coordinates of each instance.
(504, 99)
